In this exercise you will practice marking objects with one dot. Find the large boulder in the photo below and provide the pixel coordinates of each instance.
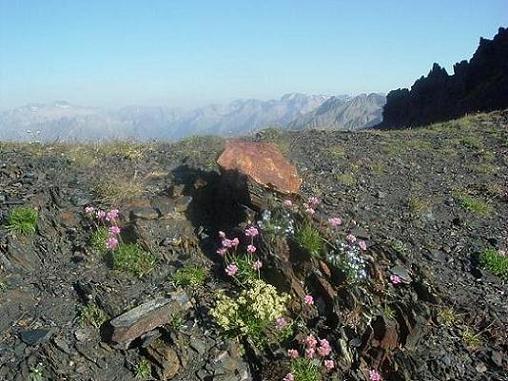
(261, 162)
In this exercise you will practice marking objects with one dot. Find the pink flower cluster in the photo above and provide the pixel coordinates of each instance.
(229, 246)
(352, 240)
(281, 323)
(314, 349)
(395, 279)
(311, 205)
(374, 375)
(110, 217)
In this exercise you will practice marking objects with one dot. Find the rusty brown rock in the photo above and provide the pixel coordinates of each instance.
(146, 317)
(263, 163)
(166, 360)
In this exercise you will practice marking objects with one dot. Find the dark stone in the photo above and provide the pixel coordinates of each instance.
(144, 214)
(35, 336)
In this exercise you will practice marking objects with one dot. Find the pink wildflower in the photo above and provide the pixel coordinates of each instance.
(101, 214)
(335, 221)
(112, 215)
(313, 202)
(324, 348)
(281, 323)
(329, 364)
(251, 232)
(308, 300)
(235, 242)
(289, 377)
(222, 251)
(395, 279)
(227, 243)
(257, 265)
(374, 375)
(251, 249)
(310, 211)
(362, 245)
(222, 234)
(288, 203)
(310, 341)
(310, 352)
(351, 238)
(112, 243)
(89, 209)
(114, 230)
(231, 269)
(293, 353)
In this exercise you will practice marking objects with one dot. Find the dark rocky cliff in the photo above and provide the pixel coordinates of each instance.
(478, 85)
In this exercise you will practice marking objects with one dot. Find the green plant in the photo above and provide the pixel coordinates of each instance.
(132, 258)
(346, 179)
(304, 369)
(177, 321)
(495, 262)
(418, 205)
(143, 370)
(336, 152)
(471, 339)
(399, 246)
(92, 315)
(389, 312)
(115, 189)
(252, 313)
(36, 373)
(99, 238)
(190, 275)
(246, 272)
(473, 204)
(22, 220)
(472, 141)
(447, 316)
(309, 238)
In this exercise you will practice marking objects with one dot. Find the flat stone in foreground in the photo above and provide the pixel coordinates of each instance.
(147, 316)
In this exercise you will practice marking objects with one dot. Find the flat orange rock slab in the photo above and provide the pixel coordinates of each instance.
(263, 163)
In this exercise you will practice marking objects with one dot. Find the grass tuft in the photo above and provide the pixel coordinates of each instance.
(471, 339)
(495, 262)
(309, 238)
(473, 204)
(92, 315)
(114, 190)
(99, 238)
(22, 220)
(143, 370)
(447, 316)
(132, 258)
(305, 369)
(190, 275)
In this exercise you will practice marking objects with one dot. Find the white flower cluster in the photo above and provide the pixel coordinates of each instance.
(348, 258)
(279, 222)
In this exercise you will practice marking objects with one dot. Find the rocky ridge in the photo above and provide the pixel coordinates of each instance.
(478, 85)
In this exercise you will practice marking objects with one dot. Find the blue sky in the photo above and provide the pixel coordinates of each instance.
(183, 53)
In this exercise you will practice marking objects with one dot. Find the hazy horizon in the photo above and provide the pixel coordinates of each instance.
(195, 53)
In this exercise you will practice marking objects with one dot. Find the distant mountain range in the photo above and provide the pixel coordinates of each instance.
(344, 113)
(67, 122)
(478, 85)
